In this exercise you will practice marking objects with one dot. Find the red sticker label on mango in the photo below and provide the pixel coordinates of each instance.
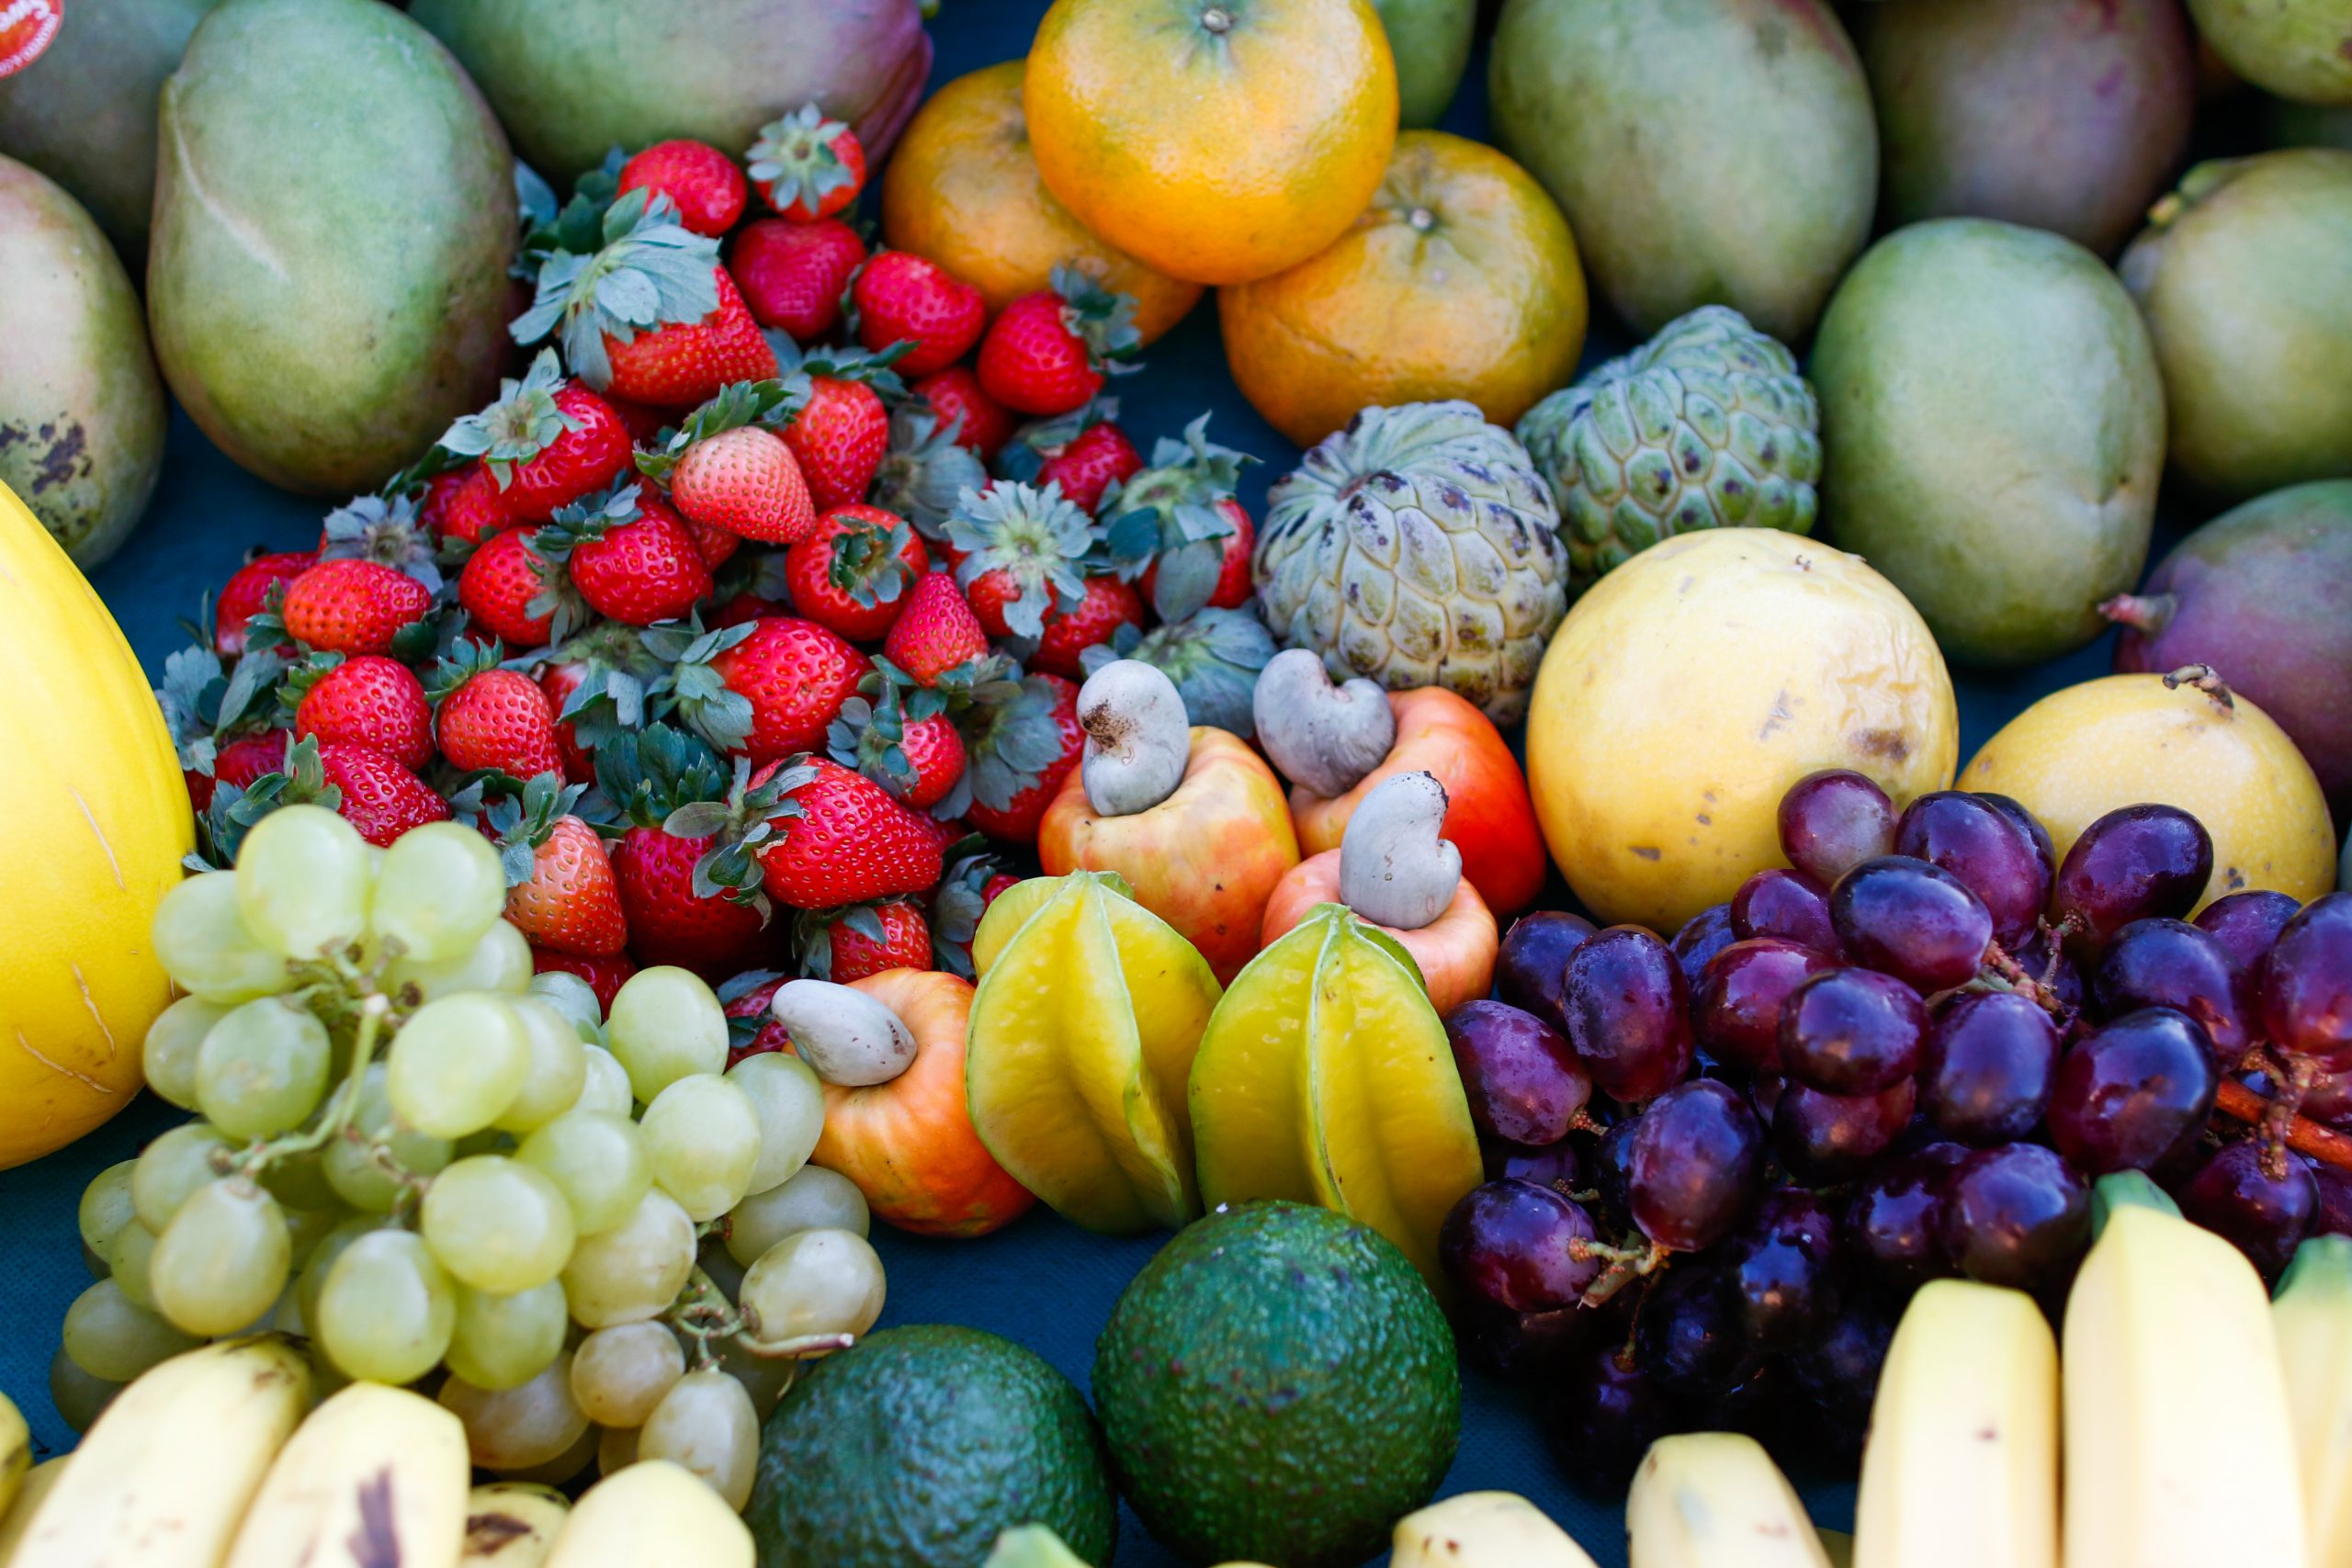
(26, 28)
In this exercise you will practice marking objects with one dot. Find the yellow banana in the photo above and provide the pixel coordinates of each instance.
(1716, 1500)
(1483, 1529)
(163, 1478)
(2179, 1450)
(2312, 1314)
(38, 1481)
(655, 1513)
(1961, 1467)
(511, 1523)
(375, 1476)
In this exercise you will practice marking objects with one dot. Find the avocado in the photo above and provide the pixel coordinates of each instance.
(917, 1447)
(1278, 1385)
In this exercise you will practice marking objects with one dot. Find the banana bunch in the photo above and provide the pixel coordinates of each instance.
(2313, 1313)
(1716, 1500)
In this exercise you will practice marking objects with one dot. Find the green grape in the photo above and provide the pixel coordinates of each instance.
(813, 1199)
(497, 1225)
(441, 890)
(323, 1252)
(820, 1281)
(702, 1138)
(386, 1310)
(557, 1070)
(521, 1427)
(620, 1374)
(346, 1163)
(170, 1167)
(562, 1470)
(500, 962)
(605, 1084)
(790, 1105)
(596, 1160)
(666, 1023)
(263, 1068)
(202, 942)
(616, 1449)
(111, 1336)
(632, 1270)
(306, 1228)
(502, 1342)
(79, 1397)
(576, 998)
(299, 1183)
(302, 882)
(711, 1258)
(128, 1259)
(107, 1206)
(458, 1063)
(168, 1054)
(706, 1423)
(224, 1260)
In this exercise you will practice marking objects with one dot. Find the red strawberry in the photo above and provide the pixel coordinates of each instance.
(1040, 728)
(473, 510)
(368, 699)
(899, 298)
(836, 837)
(596, 685)
(980, 423)
(795, 675)
(807, 165)
(1106, 606)
(890, 935)
(566, 898)
(747, 481)
(936, 632)
(510, 589)
(751, 1030)
(247, 591)
(1180, 523)
(605, 976)
(629, 555)
(997, 886)
(704, 183)
(1233, 587)
(852, 574)
(1047, 353)
(642, 421)
(438, 491)
(353, 606)
(716, 546)
(839, 438)
(1018, 554)
(1089, 463)
(491, 717)
(380, 799)
(649, 774)
(384, 530)
(545, 443)
(245, 759)
(792, 275)
(687, 363)
(919, 760)
(746, 607)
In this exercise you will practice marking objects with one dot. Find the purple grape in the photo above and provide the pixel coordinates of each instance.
(1739, 998)
(1702, 936)
(2135, 863)
(1829, 1137)
(1915, 922)
(1837, 1373)
(2307, 983)
(1984, 1073)
(1786, 904)
(1555, 1166)
(2036, 835)
(1782, 1270)
(2130, 1094)
(1894, 1219)
(1532, 968)
(2247, 926)
(1764, 1091)
(1604, 1416)
(1613, 1157)
(1512, 1244)
(2015, 1215)
(2171, 963)
(1692, 1165)
(2327, 1101)
(2265, 1217)
(1688, 1334)
(1832, 821)
(2047, 960)
(1986, 849)
(1524, 1085)
(2333, 1216)
(1851, 1031)
(1525, 1344)
(1629, 1013)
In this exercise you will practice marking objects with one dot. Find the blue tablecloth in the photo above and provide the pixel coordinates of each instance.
(1043, 1281)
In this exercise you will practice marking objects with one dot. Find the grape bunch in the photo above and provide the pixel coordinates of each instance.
(1718, 1164)
(589, 1235)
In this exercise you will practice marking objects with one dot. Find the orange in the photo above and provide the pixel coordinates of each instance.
(1460, 280)
(963, 191)
(1214, 140)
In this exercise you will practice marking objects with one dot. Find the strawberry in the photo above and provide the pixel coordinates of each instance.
(936, 632)
(996, 887)
(649, 776)
(353, 606)
(511, 589)
(918, 756)
(628, 554)
(752, 1029)
(493, 717)
(596, 685)
(366, 700)
(925, 471)
(643, 422)
(545, 443)
(839, 437)
(1089, 463)
(717, 547)
(814, 835)
(765, 690)
(702, 182)
(472, 509)
(1019, 553)
(852, 574)
(1105, 606)
(746, 481)
(386, 530)
(976, 422)
(1179, 527)
(679, 366)
(792, 275)
(248, 756)
(605, 976)
(807, 165)
(866, 938)
(898, 298)
(439, 491)
(1022, 750)
(379, 796)
(247, 592)
(561, 891)
(1047, 353)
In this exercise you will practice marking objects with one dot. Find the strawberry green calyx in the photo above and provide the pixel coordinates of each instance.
(386, 530)
(868, 734)
(1174, 513)
(924, 470)
(577, 225)
(1103, 322)
(1037, 539)
(812, 934)
(203, 704)
(957, 903)
(523, 422)
(795, 159)
(693, 691)
(222, 827)
(1010, 738)
(869, 563)
(739, 403)
(1041, 438)
(461, 663)
(521, 823)
(651, 271)
(645, 776)
(741, 824)
(588, 519)
(618, 676)
(870, 367)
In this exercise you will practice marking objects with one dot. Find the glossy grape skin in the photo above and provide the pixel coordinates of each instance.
(1832, 821)
(1786, 904)
(1702, 936)
(1555, 1166)
(1524, 1085)
(1851, 1031)
(2264, 1217)
(1893, 1221)
(1606, 1412)
(2129, 1095)
(1829, 1137)
(1986, 849)
(1689, 1335)
(1692, 1165)
(1783, 1269)
(2328, 1101)
(1838, 1374)
(2036, 835)
(2134, 863)
(2307, 983)
(1737, 1011)
(1915, 922)
(1511, 1244)
(2015, 1215)
(1987, 1065)
(2334, 1214)
(1629, 1013)
(2247, 926)
(1532, 968)
(2166, 963)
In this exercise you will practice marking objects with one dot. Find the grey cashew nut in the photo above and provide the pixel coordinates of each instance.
(845, 1035)
(1325, 737)
(1394, 869)
(1137, 737)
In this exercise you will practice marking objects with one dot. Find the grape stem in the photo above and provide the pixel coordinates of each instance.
(373, 1011)
(1626, 1264)
(701, 1313)
(2300, 1132)
(2037, 991)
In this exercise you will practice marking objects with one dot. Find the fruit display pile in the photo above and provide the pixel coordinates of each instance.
(1638, 854)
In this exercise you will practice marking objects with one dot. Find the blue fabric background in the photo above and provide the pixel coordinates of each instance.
(1042, 1283)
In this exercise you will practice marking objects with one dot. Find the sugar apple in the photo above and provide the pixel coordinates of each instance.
(1706, 425)
(1418, 548)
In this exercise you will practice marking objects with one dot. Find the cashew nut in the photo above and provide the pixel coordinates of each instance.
(1325, 737)
(1394, 869)
(1137, 739)
(845, 1035)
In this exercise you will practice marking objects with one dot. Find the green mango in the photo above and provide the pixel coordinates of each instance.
(1992, 432)
(335, 216)
(2293, 48)
(1430, 39)
(1706, 151)
(81, 412)
(84, 113)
